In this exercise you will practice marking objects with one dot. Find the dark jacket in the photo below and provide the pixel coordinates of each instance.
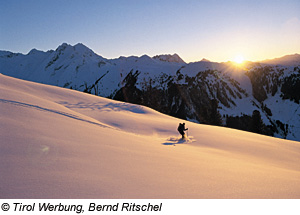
(181, 128)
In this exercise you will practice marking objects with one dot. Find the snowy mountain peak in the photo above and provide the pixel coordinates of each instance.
(169, 58)
(145, 57)
(62, 47)
(82, 48)
(34, 51)
(77, 50)
(205, 60)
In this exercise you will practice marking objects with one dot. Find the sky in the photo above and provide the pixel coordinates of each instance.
(212, 29)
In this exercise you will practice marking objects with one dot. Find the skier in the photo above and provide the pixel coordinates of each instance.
(181, 128)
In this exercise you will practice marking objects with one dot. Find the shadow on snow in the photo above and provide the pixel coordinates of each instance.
(72, 116)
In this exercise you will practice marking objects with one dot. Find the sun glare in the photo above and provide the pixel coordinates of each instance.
(239, 59)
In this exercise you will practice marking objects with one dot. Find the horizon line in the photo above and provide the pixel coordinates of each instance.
(138, 56)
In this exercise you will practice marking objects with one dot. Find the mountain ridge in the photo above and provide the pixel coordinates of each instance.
(169, 58)
(259, 95)
(286, 60)
(163, 57)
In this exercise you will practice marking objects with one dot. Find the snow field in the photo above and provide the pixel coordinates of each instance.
(60, 143)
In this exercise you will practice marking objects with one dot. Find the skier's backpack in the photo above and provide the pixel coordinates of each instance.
(180, 127)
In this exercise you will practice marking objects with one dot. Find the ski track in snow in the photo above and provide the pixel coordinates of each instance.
(106, 107)
(179, 140)
(21, 104)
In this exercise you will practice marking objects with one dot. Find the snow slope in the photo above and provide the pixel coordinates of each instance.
(168, 84)
(60, 143)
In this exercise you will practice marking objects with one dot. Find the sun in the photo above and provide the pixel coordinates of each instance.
(239, 59)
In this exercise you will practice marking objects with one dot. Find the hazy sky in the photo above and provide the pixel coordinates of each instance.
(216, 30)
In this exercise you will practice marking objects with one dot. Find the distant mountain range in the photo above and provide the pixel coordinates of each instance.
(285, 60)
(261, 97)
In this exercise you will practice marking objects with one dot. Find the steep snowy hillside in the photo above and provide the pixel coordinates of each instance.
(258, 97)
(61, 143)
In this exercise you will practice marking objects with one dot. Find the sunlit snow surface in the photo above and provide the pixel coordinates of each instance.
(59, 143)
(78, 67)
